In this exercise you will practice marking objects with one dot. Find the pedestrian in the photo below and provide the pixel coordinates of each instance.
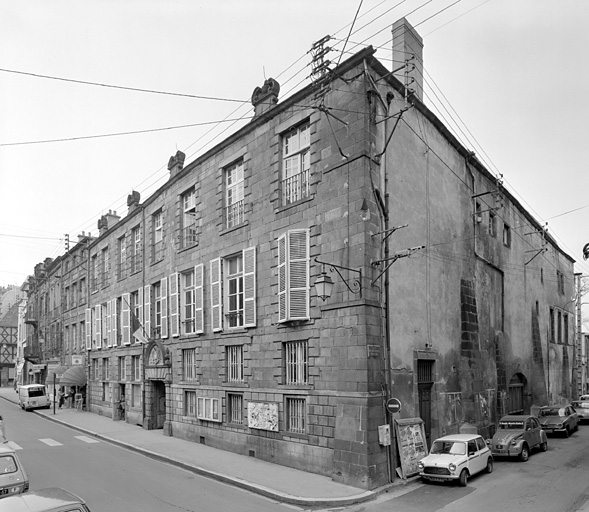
(3, 430)
(61, 396)
(71, 397)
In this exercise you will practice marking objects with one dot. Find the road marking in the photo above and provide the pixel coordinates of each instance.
(50, 442)
(13, 445)
(87, 439)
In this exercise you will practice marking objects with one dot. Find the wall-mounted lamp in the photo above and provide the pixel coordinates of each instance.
(324, 283)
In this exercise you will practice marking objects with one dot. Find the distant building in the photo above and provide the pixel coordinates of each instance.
(8, 337)
(446, 293)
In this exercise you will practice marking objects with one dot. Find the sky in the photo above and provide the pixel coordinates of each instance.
(96, 96)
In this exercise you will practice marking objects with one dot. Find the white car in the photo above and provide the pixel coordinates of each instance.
(456, 457)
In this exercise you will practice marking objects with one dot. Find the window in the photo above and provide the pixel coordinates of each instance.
(565, 328)
(208, 408)
(189, 364)
(157, 309)
(136, 367)
(105, 326)
(105, 369)
(235, 408)
(136, 395)
(66, 298)
(190, 403)
(492, 224)
(191, 302)
(234, 194)
(95, 370)
(233, 290)
(121, 257)
(235, 363)
(122, 368)
(189, 218)
(234, 287)
(104, 267)
(82, 291)
(559, 327)
(74, 296)
(552, 326)
(296, 362)
(158, 236)
(295, 415)
(74, 338)
(293, 275)
(106, 392)
(296, 164)
(94, 271)
(136, 248)
(560, 281)
(506, 235)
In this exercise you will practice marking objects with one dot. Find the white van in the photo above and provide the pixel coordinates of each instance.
(33, 396)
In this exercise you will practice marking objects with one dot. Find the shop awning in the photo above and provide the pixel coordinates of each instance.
(74, 376)
(58, 371)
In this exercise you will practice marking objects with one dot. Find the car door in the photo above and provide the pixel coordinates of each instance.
(474, 457)
(574, 418)
(534, 432)
(530, 434)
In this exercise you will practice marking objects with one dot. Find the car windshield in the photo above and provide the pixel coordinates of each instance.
(552, 411)
(451, 447)
(7, 464)
(511, 425)
(36, 391)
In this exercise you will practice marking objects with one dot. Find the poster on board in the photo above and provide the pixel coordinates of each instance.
(411, 444)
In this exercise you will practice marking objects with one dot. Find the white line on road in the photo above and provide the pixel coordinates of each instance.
(87, 439)
(13, 445)
(50, 442)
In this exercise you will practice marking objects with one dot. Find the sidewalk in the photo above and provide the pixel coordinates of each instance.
(278, 482)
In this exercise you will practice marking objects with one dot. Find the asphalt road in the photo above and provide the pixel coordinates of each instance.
(555, 480)
(112, 479)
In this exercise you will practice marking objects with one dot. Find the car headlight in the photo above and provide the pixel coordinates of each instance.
(420, 465)
(452, 467)
(559, 425)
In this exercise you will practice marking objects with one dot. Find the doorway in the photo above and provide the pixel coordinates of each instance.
(159, 403)
(425, 383)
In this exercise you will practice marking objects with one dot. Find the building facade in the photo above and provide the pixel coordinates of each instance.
(202, 316)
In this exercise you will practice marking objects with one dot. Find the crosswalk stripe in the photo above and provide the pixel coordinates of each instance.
(13, 445)
(51, 442)
(87, 439)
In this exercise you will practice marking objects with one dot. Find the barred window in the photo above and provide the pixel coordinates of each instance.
(296, 362)
(296, 415)
(190, 403)
(235, 363)
(235, 408)
(189, 364)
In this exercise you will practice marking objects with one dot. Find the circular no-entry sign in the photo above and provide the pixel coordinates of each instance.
(393, 405)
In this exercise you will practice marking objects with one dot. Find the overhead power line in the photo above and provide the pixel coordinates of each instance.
(151, 91)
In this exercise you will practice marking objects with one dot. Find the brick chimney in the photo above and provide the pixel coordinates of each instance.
(133, 200)
(107, 221)
(176, 163)
(408, 47)
(265, 97)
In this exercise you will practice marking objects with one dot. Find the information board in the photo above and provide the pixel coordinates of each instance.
(411, 443)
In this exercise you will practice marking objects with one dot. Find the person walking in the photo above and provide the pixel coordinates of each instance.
(61, 396)
(3, 430)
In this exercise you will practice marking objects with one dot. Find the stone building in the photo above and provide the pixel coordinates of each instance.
(203, 316)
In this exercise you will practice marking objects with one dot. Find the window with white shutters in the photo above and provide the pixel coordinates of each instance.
(296, 164)
(293, 275)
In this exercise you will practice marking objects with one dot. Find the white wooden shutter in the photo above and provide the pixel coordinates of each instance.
(216, 296)
(126, 319)
(88, 326)
(164, 304)
(249, 287)
(116, 314)
(140, 310)
(298, 274)
(97, 326)
(199, 327)
(282, 280)
(108, 323)
(174, 306)
(147, 310)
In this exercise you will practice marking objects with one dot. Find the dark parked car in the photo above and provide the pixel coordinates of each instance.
(561, 419)
(517, 435)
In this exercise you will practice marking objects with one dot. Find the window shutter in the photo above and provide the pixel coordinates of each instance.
(164, 288)
(199, 327)
(282, 279)
(298, 274)
(249, 287)
(113, 322)
(140, 310)
(108, 323)
(88, 325)
(126, 319)
(216, 299)
(174, 306)
(147, 310)
(97, 327)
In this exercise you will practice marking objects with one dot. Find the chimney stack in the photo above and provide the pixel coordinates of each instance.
(265, 97)
(176, 163)
(133, 200)
(107, 221)
(408, 50)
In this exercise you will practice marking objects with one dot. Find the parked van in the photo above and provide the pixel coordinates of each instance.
(33, 396)
(13, 477)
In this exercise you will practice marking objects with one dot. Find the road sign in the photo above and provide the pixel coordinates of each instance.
(393, 405)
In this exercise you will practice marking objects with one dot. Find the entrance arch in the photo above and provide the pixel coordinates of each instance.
(515, 392)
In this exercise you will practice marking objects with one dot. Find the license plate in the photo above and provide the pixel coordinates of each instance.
(33, 403)
(436, 479)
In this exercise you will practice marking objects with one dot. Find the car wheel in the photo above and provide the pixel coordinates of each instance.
(489, 468)
(576, 427)
(525, 453)
(567, 432)
(544, 446)
(463, 478)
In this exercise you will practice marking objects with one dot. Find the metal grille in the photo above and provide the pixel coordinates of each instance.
(425, 371)
(295, 408)
(235, 363)
(189, 363)
(236, 409)
(297, 362)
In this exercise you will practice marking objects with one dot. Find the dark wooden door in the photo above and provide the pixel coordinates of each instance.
(425, 409)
